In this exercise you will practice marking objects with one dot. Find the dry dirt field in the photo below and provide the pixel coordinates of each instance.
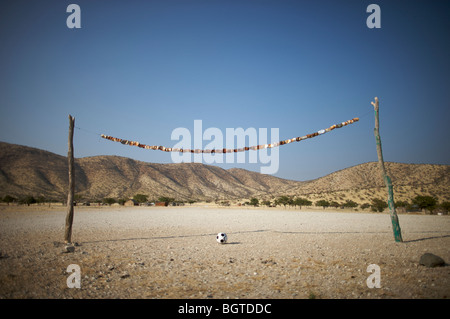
(171, 252)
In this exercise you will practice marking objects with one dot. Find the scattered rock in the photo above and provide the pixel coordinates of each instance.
(69, 249)
(430, 260)
(269, 262)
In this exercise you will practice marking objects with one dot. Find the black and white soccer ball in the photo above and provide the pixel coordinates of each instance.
(221, 238)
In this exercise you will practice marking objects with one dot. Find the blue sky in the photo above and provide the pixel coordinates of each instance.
(140, 69)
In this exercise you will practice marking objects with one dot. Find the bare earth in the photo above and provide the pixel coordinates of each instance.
(171, 252)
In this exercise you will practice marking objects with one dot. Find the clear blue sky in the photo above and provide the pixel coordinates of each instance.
(139, 69)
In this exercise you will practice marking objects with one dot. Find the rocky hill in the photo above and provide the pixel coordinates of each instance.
(363, 182)
(30, 171)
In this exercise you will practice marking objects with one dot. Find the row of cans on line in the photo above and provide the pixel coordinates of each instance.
(228, 150)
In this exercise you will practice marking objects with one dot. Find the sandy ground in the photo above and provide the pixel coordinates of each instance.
(171, 252)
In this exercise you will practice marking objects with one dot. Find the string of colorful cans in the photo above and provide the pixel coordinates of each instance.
(229, 150)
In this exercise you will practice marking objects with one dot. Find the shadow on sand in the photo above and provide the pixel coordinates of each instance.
(274, 231)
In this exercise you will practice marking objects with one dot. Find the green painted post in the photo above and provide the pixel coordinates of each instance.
(387, 180)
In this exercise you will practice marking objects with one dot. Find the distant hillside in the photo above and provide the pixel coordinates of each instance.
(112, 176)
(30, 171)
(363, 182)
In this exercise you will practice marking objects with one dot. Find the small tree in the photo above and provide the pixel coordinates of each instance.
(41, 199)
(140, 198)
(334, 204)
(28, 200)
(282, 200)
(302, 202)
(254, 202)
(350, 204)
(9, 199)
(266, 203)
(166, 199)
(323, 203)
(425, 202)
(445, 206)
(378, 205)
(401, 204)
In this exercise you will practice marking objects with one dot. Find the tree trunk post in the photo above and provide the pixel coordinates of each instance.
(70, 196)
(386, 178)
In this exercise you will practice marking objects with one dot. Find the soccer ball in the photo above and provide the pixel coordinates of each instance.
(221, 238)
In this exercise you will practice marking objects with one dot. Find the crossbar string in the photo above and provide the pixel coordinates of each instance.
(230, 150)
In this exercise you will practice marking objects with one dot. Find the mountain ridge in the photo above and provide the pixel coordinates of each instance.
(31, 171)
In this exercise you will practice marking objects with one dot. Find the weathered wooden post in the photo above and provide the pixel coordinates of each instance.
(70, 196)
(386, 178)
